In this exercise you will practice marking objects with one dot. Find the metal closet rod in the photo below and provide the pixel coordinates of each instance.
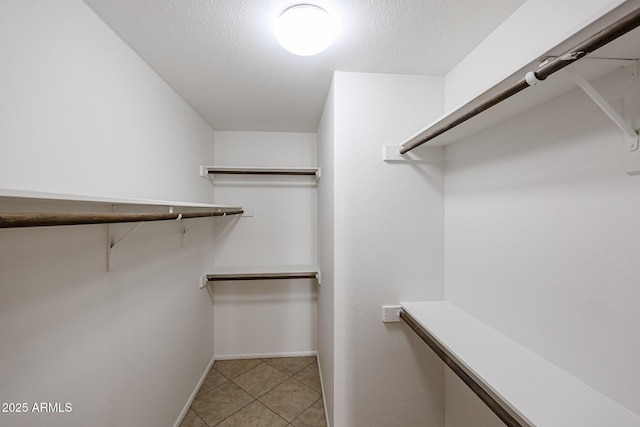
(52, 219)
(261, 172)
(596, 41)
(260, 276)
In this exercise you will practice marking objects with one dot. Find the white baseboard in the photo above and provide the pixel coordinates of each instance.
(324, 395)
(265, 355)
(195, 392)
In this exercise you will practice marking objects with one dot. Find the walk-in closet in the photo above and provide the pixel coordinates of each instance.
(427, 217)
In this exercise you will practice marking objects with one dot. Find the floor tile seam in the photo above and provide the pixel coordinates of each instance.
(265, 363)
(274, 412)
(203, 420)
(286, 373)
(313, 359)
(258, 397)
(302, 381)
(241, 373)
(295, 378)
(297, 372)
(221, 421)
(270, 408)
(305, 410)
(226, 380)
(279, 370)
(303, 384)
(312, 372)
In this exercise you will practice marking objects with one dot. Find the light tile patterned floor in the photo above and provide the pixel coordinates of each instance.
(259, 393)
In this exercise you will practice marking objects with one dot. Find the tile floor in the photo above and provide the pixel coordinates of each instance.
(259, 392)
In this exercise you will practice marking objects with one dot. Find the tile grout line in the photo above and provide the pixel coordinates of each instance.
(300, 414)
(276, 414)
(241, 373)
(226, 379)
(303, 410)
(313, 403)
(234, 383)
(221, 421)
(198, 415)
(254, 399)
(295, 373)
(195, 412)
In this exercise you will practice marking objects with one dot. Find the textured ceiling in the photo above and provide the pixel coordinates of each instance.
(221, 56)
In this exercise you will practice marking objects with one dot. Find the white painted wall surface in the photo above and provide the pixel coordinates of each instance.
(326, 250)
(125, 347)
(531, 31)
(541, 238)
(463, 408)
(388, 239)
(266, 317)
(82, 114)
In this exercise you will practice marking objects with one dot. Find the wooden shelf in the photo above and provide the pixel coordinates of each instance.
(533, 389)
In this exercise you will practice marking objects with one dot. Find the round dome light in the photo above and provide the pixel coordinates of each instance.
(305, 29)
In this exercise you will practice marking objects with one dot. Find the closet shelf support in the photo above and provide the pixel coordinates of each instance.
(630, 135)
(112, 243)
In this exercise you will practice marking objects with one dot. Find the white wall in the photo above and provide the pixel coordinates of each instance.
(266, 317)
(125, 347)
(388, 237)
(541, 239)
(326, 241)
(81, 113)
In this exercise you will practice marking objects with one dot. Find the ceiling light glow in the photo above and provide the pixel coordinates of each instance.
(305, 29)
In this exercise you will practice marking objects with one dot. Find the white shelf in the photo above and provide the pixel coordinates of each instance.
(539, 392)
(24, 194)
(264, 273)
(249, 170)
(627, 46)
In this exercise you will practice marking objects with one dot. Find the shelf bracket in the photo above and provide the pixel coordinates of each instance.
(111, 242)
(184, 230)
(631, 138)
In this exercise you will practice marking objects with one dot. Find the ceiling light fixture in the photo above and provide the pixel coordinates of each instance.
(305, 29)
